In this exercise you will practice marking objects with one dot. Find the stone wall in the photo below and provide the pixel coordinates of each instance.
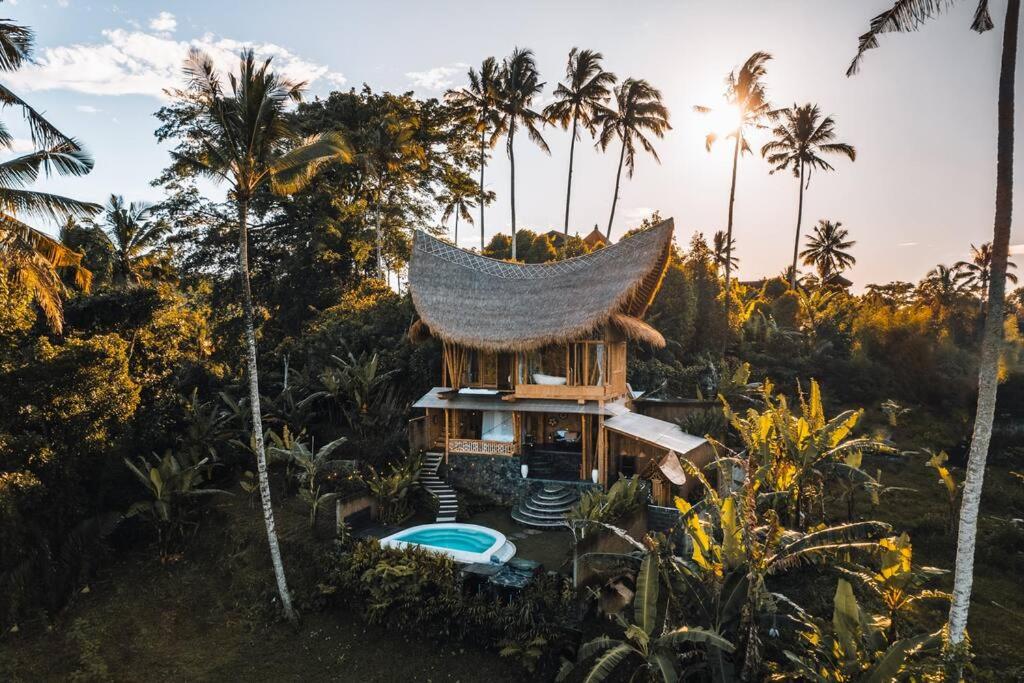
(496, 477)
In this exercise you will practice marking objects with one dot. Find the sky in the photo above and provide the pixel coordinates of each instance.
(921, 114)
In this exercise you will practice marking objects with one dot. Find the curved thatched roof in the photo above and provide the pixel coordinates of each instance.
(475, 301)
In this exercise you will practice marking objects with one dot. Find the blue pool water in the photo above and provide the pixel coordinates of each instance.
(469, 540)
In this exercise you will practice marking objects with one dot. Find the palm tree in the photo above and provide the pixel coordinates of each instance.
(745, 93)
(826, 250)
(909, 15)
(458, 200)
(247, 131)
(480, 100)
(800, 142)
(942, 287)
(638, 108)
(978, 271)
(578, 101)
(384, 150)
(31, 256)
(723, 247)
(133, 239)
(520, 83)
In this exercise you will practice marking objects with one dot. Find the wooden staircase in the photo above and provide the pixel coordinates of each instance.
(448, 501)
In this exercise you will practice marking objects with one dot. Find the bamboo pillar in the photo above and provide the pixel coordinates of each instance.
(446, 436)
(602, 448)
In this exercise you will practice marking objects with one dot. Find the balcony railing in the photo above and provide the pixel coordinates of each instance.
(481, 447)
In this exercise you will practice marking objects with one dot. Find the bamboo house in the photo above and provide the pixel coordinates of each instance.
(534, 382)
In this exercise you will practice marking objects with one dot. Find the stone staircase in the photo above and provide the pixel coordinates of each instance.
(448, 502)
(546, 507)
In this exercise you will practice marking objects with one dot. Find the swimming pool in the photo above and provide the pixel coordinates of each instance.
(466, 543)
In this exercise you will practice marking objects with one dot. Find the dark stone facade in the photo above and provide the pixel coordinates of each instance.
(497, 477)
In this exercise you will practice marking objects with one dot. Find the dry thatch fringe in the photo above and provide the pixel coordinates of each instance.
(482, 303)
(419, 332)
(637, 330)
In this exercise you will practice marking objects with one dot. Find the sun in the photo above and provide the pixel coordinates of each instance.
(723, 120)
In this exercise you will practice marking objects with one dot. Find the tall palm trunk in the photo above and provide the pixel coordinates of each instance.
(457, 209)
(512, 165)
(993, 335)
(482, 164)
(799, 217)
(615, 197)
(568, 189)
(728, 231)
(254, 404)
(380, 259)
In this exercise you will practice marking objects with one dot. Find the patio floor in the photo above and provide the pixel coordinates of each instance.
(551, 548)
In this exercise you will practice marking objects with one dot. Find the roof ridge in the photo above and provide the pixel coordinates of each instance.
(434, 246)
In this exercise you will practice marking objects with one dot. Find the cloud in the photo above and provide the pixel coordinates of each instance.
(437, 79)
(1017, 249)
(87, 109)
(133, 62)
(907, 244)
(163, 22)
(63, 3)
(20, 146)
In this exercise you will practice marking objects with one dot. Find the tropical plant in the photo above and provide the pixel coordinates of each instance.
(458, 200)
(133, 240)
(518, 86)
(250, 143)
(952, 488)
(898, 583)
(480, 101)
(385, 148)
(799, 451)
(625, 496)
(648, 642)
(978, 271)
(391, 490)
(208, 428)
(906, 16)
(943, 287)
(638, 110)
(310, 463)
(723, 246)
(364, 394)
(747, 98)
(31, 256)
(854, 647)
(801, 141)
(827, 250)
(169, 484)
(578, 101)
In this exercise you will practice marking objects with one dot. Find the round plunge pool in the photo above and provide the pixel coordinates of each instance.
(467, 543)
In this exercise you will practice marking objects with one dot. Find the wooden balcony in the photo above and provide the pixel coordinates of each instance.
(481, 447)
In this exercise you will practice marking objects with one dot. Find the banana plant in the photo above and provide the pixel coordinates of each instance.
(898, 583)
(309, 463)
(951, 486)
(391, 490)
(797, 451)
(168, 484)
(854, 647)
(648, 644)
(208, 428)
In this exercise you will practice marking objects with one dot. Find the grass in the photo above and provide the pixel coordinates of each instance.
(205, 616)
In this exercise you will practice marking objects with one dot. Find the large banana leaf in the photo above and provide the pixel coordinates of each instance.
(895, 658)
(701, 636)
(607, 663)
(645, 603)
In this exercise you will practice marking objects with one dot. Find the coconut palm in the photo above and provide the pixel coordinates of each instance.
(722, 247)
(133, 240)
(978, 271)
(384, 150)
(32, 257)
(250, 143)
(942, 287)
(909, 15)
(827, 249)
(638, 109)
(480, 101)
(745, 94)
(458, 200)
(801, 141)
(578, 101)
(520, 83)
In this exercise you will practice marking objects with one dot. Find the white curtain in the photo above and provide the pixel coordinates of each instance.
(497, 426)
